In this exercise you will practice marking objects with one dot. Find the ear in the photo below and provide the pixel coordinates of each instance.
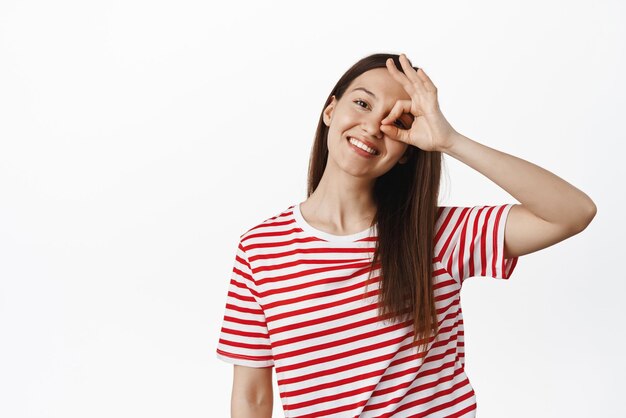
(328, 111)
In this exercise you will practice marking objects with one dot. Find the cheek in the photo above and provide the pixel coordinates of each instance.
(344, 120)
(396, 148)
(334, 139)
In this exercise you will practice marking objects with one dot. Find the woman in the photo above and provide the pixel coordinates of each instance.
(353, 295)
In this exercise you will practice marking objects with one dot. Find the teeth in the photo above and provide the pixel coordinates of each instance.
(362, 146)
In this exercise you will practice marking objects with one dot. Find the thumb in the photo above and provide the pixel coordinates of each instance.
(395, 133)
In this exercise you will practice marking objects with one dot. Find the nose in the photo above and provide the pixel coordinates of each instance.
(371, 125)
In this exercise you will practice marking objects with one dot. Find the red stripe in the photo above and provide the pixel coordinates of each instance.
(242, 356)
(495, 238)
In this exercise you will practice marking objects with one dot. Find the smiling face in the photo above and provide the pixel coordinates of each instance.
(357, 115)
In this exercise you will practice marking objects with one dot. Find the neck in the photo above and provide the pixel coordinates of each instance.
(341, 202)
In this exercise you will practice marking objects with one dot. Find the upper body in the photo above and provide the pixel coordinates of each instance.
(300, 301)
(293, 302)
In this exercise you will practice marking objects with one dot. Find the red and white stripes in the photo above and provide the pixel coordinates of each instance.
(299, 301)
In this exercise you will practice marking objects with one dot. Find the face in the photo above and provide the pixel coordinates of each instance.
(358, 115)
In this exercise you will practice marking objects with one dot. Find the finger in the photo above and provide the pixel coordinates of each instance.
(396, 133)
(411, 86)
(410, 73)
(397, 74)
(401, 107)
(419, 83)
(428, 83)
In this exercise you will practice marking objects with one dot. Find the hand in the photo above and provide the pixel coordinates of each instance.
(430, 130)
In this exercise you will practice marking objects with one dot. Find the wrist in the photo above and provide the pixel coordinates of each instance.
(453, 140)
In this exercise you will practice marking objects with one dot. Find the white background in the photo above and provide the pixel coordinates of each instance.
(139, 139)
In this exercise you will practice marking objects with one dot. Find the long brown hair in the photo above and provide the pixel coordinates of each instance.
(406, 199)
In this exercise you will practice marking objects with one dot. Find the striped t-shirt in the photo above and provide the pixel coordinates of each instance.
(295, 302)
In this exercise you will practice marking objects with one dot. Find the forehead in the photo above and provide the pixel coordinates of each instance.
(380, 82)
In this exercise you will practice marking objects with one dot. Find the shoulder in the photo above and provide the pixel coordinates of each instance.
(445, 213)
(279, 220)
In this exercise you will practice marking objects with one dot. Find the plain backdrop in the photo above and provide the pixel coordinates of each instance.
(139, 139)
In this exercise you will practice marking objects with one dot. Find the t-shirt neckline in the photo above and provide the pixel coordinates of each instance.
(305, 226)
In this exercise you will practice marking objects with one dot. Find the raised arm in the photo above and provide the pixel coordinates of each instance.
(551, 209)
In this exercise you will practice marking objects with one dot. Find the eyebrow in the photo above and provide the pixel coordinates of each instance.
(366, 91)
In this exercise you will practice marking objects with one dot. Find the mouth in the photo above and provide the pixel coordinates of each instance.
(362, 146)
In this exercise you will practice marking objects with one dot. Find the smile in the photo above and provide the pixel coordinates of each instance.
(360, 146)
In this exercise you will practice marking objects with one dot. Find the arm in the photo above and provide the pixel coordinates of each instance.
(551, 209)
(252, 394)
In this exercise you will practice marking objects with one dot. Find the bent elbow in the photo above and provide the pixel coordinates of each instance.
(586, 218)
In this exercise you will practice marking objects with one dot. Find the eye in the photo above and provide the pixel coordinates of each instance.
(357, 101)
(402, 125)
(361, 101)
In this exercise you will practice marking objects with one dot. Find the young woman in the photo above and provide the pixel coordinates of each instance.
(353, 295)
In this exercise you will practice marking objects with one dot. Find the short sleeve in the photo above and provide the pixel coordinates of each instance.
(471, 241)
(244, 337)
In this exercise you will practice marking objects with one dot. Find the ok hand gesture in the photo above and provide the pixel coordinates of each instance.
(430, 130)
